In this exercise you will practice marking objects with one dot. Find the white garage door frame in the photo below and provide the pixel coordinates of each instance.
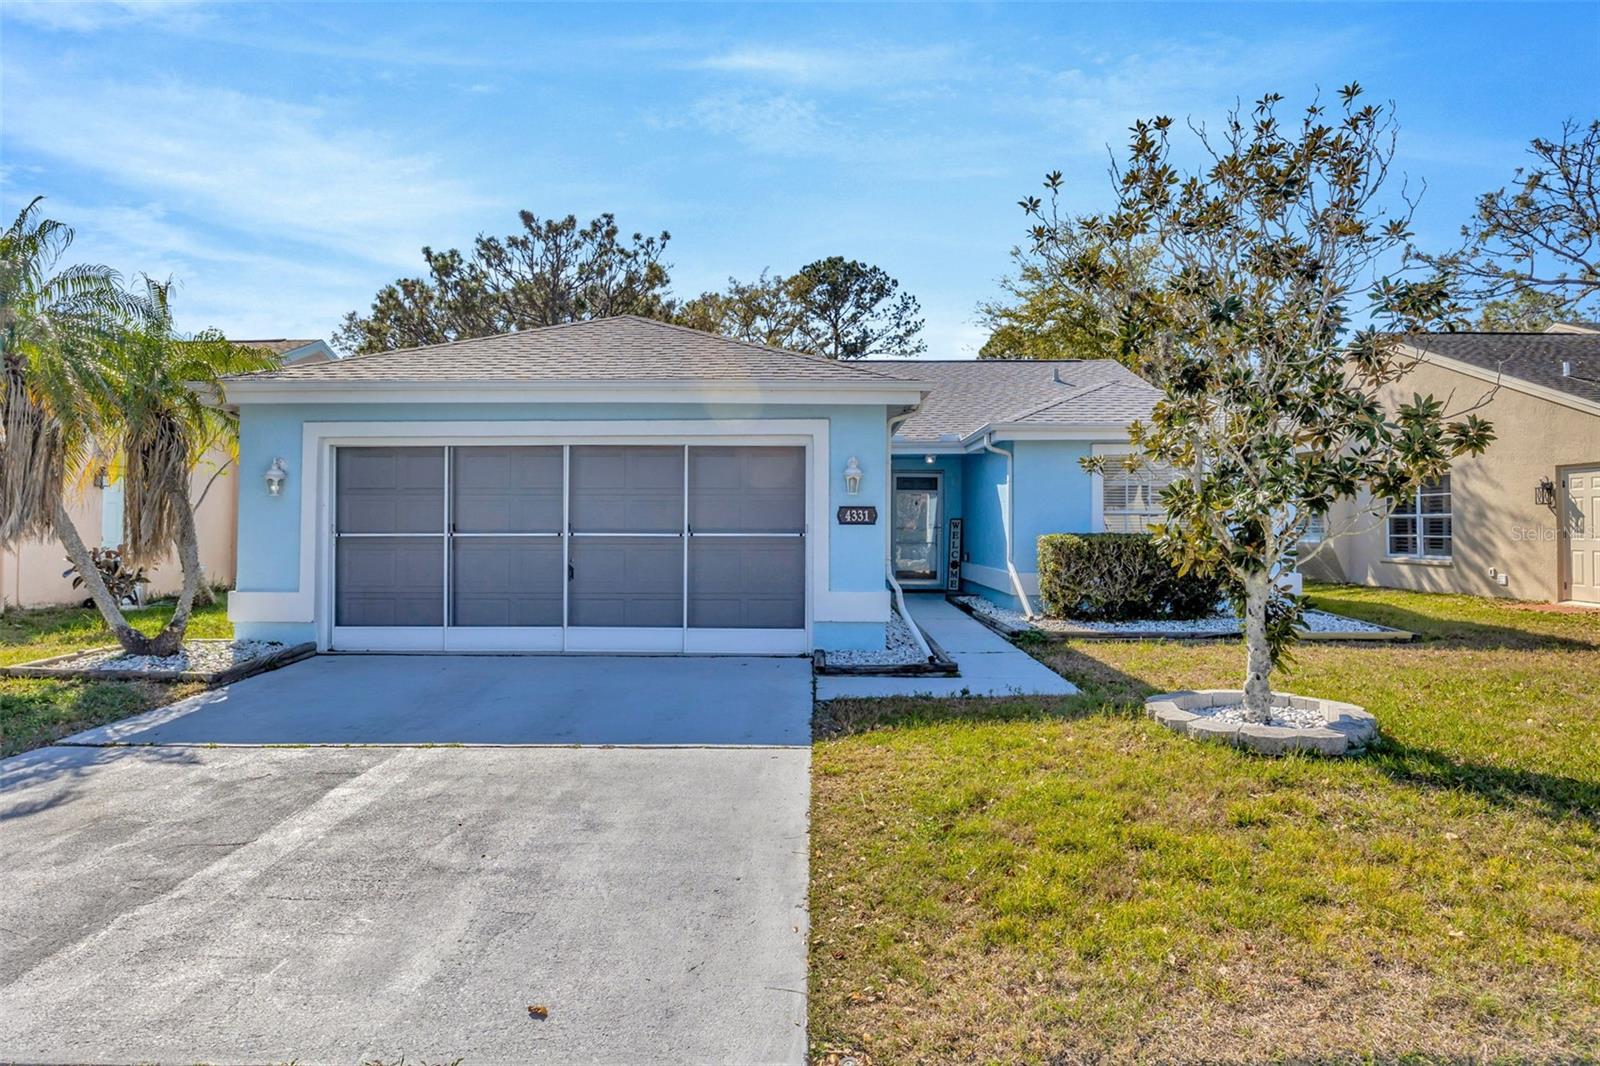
(317, 532)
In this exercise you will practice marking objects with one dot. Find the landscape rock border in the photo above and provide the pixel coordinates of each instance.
(1347, 728)
(65, 666)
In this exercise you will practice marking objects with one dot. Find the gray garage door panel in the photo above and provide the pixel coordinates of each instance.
(747, 490)
(626, 581)
(626, 489)
(391, 490)
(390, 581)
(747, 583)
(507, 581)
(506, 490)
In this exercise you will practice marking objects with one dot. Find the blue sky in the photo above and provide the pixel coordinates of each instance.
(283, 161)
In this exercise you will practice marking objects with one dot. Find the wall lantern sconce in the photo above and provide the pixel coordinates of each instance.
(1544, 494)
(275, 475)
(852, 477)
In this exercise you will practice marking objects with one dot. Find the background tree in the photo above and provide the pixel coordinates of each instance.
(846, 309)
(552, 271)
(837, 307)
(1045, 316)
(153, 421)
(1269, 408)
(53, 328)
(1531, 253)
(759, 311)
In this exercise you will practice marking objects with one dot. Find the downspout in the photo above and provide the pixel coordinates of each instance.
(1007, 516)
(888, 558)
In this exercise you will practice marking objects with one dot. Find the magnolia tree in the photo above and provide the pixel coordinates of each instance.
(1270, 410)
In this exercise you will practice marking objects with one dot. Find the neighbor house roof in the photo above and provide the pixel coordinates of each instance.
(971, 396)
(289, 351)
(624, 348)
(1564, 364)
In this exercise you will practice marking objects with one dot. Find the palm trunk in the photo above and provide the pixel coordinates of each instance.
(133, 642)
(1258, 668)
(170, 640)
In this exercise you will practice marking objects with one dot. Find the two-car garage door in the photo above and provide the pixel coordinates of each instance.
(552, 547)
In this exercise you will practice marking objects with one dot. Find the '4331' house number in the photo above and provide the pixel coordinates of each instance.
(858, 516)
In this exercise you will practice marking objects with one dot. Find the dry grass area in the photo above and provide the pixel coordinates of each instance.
(38, 711)
(1064, 881)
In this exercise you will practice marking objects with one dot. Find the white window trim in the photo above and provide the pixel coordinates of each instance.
(1416, 514)
(311, 600)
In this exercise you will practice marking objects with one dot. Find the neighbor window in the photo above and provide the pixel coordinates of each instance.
(1314, 530)
(1419, 526)
(1131, 499)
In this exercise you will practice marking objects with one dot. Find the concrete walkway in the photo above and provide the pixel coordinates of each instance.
(990, 665)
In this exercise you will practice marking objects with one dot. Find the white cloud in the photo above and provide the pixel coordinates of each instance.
(250, 163)
(774, 124)
(837, 68)
(89, 16)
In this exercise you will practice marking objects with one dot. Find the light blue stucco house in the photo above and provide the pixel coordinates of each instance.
(624, 485)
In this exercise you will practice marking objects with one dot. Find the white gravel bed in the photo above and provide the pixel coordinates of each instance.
(1221, 624)
(202, 657)
(1290, 717)
(899, 649)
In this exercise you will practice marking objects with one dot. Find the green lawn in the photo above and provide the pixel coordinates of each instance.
(34, 713)
(1065, 881)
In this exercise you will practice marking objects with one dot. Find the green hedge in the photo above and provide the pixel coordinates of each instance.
(1118, 577)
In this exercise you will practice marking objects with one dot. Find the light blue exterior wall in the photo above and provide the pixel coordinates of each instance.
(1053, 495)
(269, 527)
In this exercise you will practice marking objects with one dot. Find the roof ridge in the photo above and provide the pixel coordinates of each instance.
(1073, 393)
(499, 338)
(850, 363)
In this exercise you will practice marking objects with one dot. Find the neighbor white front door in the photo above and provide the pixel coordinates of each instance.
(1580, 534)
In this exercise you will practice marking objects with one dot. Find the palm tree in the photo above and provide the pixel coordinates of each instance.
(154, 419)
(53, 326)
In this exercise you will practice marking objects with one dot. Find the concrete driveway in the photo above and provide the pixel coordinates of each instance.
(178, 902)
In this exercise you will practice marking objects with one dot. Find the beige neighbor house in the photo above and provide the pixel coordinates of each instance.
(31, 575)
(1520, 521)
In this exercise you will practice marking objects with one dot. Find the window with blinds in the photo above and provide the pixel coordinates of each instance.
(1131, 499)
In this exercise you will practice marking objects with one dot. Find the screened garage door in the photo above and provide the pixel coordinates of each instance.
(664, 548)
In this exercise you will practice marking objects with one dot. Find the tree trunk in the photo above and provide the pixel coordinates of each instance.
(170, 640)
(1258, 668)
(133, 642)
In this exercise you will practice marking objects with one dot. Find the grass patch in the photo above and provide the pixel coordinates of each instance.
(1065, 881)
(38, 711)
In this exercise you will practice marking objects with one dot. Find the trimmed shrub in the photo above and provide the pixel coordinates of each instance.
(1118, 577)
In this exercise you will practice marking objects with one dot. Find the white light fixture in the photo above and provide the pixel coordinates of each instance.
(928, 459)
(852, 476)
(275, 475)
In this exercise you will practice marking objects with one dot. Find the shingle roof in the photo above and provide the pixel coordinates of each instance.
(1535, 358)
(624, 348)
(278, 345)
(969, 394)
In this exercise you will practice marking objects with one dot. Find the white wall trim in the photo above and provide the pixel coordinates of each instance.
(996, 578)
(834, 606)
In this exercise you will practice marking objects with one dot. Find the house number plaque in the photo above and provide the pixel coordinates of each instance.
(858, 516)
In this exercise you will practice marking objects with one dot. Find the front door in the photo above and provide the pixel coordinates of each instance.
(1580, 533)
(916, 528)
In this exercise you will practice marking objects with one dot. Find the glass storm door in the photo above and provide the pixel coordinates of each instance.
(915, 538)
